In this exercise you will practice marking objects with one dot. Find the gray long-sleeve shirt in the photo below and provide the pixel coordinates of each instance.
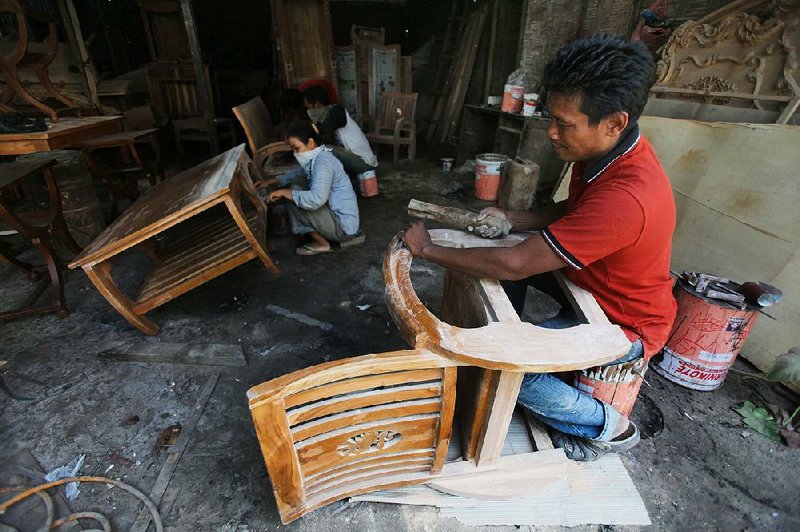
(328, 183)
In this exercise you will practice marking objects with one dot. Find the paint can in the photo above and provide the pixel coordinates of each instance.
(705, 340)
(531, 104)
(512, 99)
(447, 164)
(368, 184)
(617, 384)
(487, 175)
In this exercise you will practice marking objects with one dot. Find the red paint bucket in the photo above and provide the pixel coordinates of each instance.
(488, 167)
(617, 385)
(705, 340)
(368, 184)
(512, 99)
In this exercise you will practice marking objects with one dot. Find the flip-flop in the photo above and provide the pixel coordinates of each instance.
(586, 450)
(311, 249)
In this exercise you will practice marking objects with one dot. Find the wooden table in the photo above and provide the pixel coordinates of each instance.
(40, 227)
(67, 133)
(221, 224)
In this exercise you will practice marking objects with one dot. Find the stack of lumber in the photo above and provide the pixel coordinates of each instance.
(448, 107)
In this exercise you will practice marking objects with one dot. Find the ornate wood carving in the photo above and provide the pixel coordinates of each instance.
(751, 55)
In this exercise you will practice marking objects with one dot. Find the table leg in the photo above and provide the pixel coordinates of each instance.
(100, 275)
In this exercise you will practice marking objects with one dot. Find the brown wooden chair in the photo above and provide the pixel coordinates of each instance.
(27, 55)
(351, 426)
(395, 124)
(269, 153)
(40, 227)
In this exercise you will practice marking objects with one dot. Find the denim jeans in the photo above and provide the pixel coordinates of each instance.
(550, 399)
(352, 163)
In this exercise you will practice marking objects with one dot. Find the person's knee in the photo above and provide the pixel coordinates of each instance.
(536, 395)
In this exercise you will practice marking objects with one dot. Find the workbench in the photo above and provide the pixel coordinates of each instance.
(67, 133)
(195, 226)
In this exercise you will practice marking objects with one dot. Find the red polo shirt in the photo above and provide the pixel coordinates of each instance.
(617, 235)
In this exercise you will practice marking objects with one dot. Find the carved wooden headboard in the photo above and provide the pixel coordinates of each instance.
(741, 58)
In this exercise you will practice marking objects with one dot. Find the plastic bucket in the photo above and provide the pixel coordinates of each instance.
(705, 340)
(617, 385)
(512, 99)
(488, 167)
(447, 164)
(368, 184)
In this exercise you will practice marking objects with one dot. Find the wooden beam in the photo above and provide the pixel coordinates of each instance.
(86, 62)
(203, 92)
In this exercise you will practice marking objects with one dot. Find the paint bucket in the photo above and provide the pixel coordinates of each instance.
(512, 99)
(447, 164)
(487, 175)
(531, 104)
(617, 384)
(706, 337)
(368, 184)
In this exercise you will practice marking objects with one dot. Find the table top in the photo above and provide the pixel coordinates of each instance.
(65, 126)
(11, 172)
(115, 139)
(164, 205)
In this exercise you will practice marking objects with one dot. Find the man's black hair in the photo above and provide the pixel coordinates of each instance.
(608, 72)
(316, 94)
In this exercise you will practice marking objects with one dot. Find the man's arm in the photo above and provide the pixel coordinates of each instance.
(335, 118)
(528, 258)
(538, 219)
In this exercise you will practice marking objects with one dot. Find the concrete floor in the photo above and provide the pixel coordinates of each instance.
(699, 467)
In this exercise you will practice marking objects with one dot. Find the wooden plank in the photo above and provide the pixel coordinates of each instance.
(175, 454)
(88, 67)
(178, 353)
(372, 460)
(446, 419)
(583, 302)
(538, 432)
(501, 407)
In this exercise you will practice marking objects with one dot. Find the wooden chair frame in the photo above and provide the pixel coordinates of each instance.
(396, 114)
(352, 426)
(23, 59)
(254, 117)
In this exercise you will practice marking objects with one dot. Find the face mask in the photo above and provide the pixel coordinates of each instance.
(305, 158)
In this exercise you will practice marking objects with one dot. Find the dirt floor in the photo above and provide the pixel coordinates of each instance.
(698, 468)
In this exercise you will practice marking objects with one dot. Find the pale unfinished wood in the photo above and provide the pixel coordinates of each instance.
(223, 226)
(262, 138)
(538, 432)
(454, 217)
(353, 432)
(514, 346)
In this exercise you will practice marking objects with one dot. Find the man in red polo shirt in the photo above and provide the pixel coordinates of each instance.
(612, 236)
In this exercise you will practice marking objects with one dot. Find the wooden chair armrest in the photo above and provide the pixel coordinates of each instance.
(265, 153)
(405, 125)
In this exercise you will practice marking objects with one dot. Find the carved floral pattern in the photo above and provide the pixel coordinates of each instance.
(369, 442)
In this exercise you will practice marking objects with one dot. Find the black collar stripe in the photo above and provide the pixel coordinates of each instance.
(624, 146)
(560, 250)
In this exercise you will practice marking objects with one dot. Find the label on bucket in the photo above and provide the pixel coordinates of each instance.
(679, 370)
(715, 357)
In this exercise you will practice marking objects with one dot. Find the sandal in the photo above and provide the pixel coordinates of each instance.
(312, 249)
(586, 450)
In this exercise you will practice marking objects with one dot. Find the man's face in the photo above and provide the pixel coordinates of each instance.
(571, 135)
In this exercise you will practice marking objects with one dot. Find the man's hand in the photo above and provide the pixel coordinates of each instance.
(416, 238)
(492, 223)
(281, 193)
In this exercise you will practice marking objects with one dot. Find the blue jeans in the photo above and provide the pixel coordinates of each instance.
(551, 400)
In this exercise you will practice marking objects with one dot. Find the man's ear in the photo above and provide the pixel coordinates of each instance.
(617, 123)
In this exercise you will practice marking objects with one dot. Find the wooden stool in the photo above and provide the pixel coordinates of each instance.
(121, 180)
(40, 227)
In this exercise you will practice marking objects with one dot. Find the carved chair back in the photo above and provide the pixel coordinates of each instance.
(352, 426)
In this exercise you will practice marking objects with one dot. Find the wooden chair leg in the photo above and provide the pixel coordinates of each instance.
(13, 82)
(22, 266)
(56, 276)
(100, 275)
(412, 150)
(44, 78)
(396, 152)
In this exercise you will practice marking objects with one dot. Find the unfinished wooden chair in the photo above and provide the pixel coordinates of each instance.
(269, 153)
(352, 426)
(41, 228)
(395, 124)
(27, 55)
